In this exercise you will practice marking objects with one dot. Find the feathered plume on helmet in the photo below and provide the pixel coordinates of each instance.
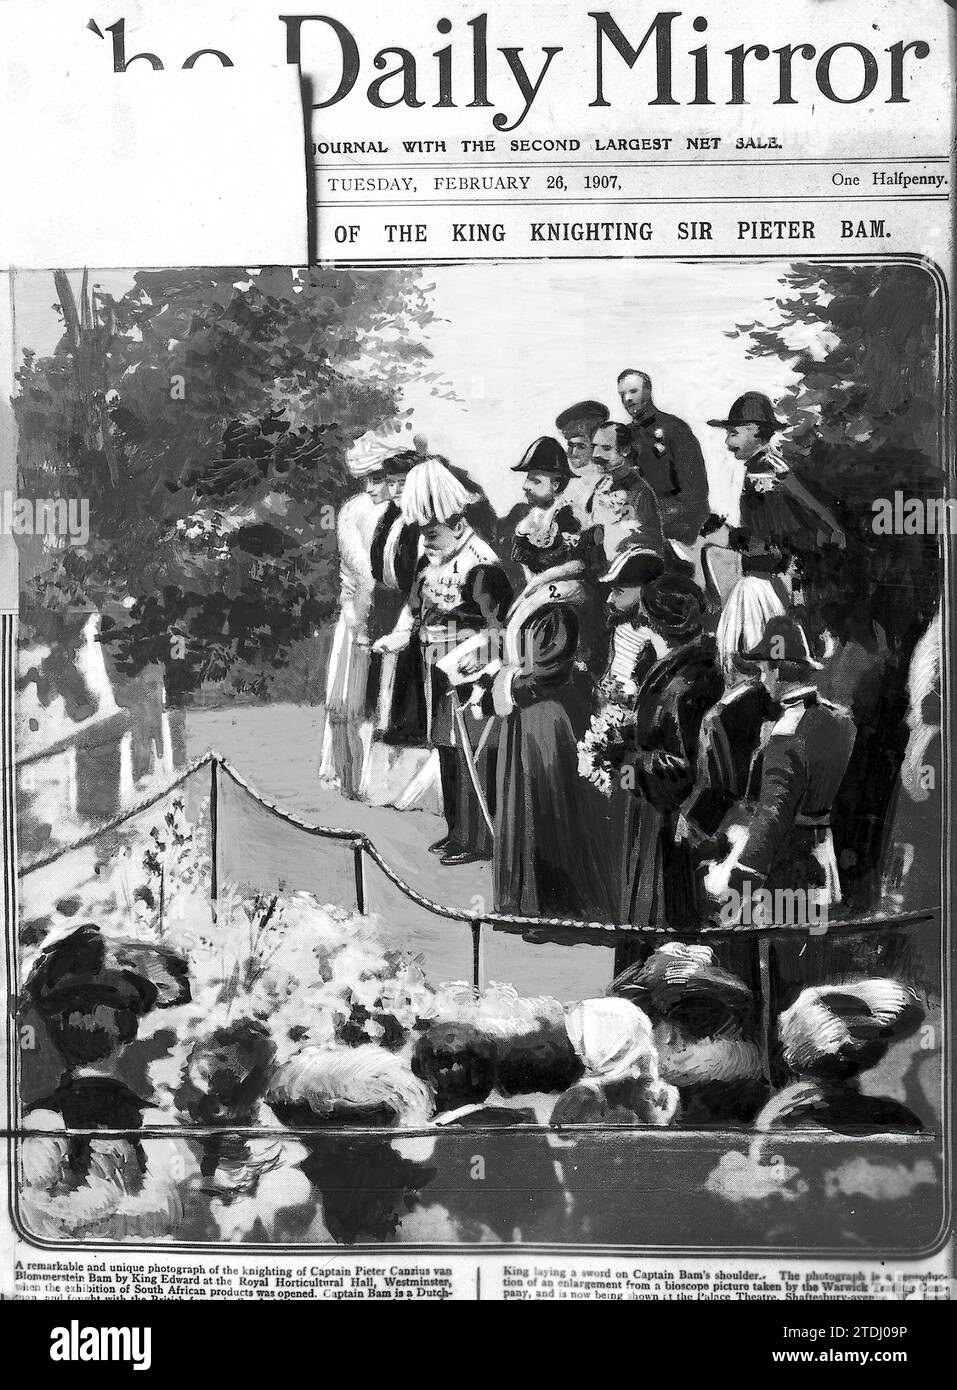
(433, 493)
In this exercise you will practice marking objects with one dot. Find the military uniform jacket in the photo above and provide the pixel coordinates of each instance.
(795, 781)
(669, 458)
(462, 593)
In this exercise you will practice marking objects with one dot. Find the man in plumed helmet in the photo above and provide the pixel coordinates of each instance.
(459, 590)
(670, 702)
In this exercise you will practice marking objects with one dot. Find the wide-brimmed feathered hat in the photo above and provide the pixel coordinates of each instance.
(675, 605)
(683, 984)
(835, 1030)
(86, 968)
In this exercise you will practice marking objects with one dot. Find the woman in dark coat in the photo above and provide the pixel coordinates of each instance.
(672, 699)
(549, 859)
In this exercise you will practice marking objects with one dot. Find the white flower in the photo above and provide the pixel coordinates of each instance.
(659, 433)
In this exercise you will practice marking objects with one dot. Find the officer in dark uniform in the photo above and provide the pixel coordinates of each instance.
(668, 457)
(782, 851)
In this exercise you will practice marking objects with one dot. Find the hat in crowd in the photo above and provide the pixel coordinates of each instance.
(613, 1038)
(363, 1085)
(675, 605)
(398, 465)
(85, 969)
(750, 409)
(683, 984)
(638, 565)
(545, 455)
(433, 493)
(843, 1029)
(784, 639)
(582, 412)
(367, 455)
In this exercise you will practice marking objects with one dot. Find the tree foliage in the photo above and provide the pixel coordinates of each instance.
(864, 419)
(205, 415)
(863, 422)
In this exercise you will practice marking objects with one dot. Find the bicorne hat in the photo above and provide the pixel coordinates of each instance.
(638, 565)
(750, 409)
(545, 455)
(784, 639)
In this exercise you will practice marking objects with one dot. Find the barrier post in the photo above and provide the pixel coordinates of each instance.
(762, 950)
(214, 836)
(477, 954)
(357, 848)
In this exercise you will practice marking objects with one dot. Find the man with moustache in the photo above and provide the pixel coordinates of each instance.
(459, 589)
(577, 425)
(781, 525)
(668, 457)
(623, 504)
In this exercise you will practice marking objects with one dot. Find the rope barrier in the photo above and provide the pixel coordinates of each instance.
(121, 819)
(358, 840)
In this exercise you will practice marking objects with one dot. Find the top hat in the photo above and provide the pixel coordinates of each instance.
(635, 566)
(784, 639)
(545, 455)
(582, 412)
(750, 409)
(682, 983)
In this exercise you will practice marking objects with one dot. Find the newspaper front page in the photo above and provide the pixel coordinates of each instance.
(476, 524)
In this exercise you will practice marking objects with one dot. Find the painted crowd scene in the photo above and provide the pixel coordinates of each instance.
(444, 735)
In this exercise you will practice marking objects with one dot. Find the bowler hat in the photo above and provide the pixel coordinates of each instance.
(784, 639)
(750, 409)
(582, 411)
(635, 566)
(545, 455)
